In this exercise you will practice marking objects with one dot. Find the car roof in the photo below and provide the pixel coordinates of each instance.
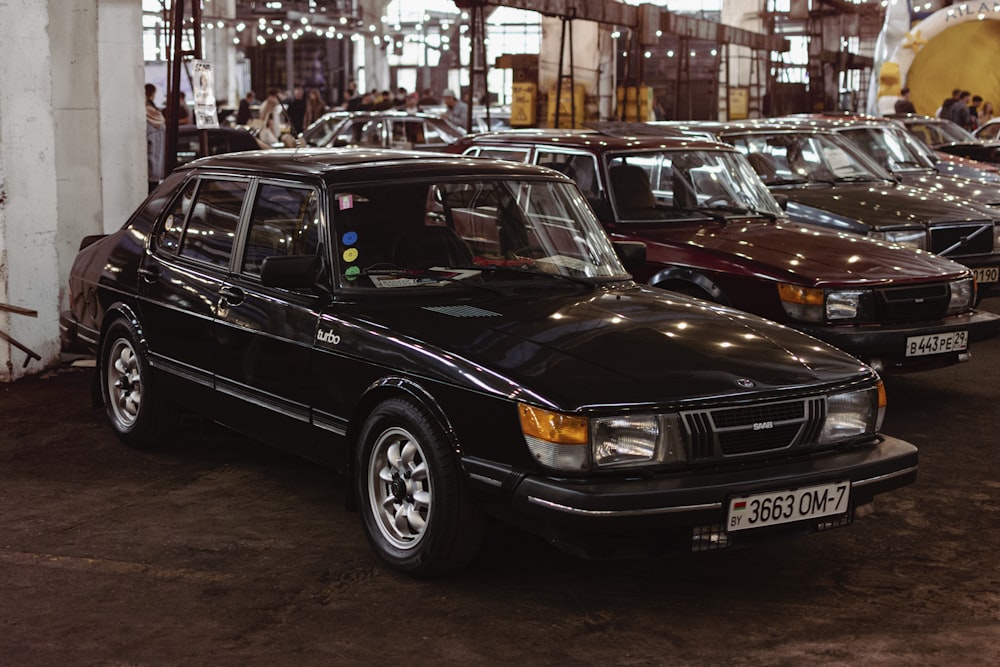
(385, 113)
(593, 140)
(360, 164)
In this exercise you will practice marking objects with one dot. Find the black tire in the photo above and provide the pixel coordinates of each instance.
(414, 502)
(139, 416)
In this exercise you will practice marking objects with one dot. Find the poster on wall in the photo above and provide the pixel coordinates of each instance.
(205, 114)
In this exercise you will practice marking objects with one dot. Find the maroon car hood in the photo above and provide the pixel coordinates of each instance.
(787, 251)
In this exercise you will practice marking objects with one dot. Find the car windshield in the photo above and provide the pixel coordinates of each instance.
(806, 157)
(666, 185)
(468, 232)
(323, 130)
(936, 133)
(892, 147)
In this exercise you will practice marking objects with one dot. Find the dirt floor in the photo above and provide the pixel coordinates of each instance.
(219, 551)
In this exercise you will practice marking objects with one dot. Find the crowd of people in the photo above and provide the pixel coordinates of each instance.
(280, 119)
(962, 108)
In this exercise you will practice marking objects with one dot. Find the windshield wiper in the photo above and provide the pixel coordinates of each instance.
(785, 181)
(497, 268)
(738, 209)
(431, 276)
(860, 179)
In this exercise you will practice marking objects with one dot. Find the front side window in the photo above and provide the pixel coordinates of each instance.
(892, 149)
(212, 221)
(284, 221)
(453, 232)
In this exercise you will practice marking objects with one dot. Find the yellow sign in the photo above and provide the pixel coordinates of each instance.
(739, 103)
(522, 107)
(644, 111)
(577, 96)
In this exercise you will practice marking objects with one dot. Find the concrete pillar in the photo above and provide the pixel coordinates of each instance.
(72, 152)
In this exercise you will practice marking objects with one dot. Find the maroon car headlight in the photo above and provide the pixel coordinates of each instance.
(911, 238)
(962, 295)
(812, 304)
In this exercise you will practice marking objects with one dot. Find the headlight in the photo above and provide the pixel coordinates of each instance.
(852, 414)
(843, 305)
(802, 303)
(913, 238)
(963, 295)
(635, 440)
(811, 304)
(573, 443)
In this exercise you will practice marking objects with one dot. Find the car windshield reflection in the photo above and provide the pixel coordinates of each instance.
(440, 234)
(671, 185)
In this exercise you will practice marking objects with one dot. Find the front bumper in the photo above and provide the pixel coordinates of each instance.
(885, 345)
(594, 517)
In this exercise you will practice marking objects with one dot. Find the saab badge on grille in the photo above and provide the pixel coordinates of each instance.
(746, 383)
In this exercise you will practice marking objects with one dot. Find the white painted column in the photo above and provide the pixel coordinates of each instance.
(28, 211)
(72, 152)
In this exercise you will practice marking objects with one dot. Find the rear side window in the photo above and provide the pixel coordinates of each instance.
(212, 221)
(285, 221)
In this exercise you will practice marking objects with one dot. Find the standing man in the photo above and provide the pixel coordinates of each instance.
(183, 113)
(958, 112)
(156, 126)
(904, 104)
(297, 109)
(457, 112)
(243, 113)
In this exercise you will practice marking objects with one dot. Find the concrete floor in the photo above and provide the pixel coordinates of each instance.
(217, 550)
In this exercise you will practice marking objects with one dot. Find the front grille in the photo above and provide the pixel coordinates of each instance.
(962, 240)
(741, 431)
(900, 304)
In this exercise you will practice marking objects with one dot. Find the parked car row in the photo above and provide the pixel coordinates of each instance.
(468, 335)
(713, 230)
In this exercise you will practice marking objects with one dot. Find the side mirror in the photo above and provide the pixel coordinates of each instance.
(290, 272)
(632, 254)
(782, 201)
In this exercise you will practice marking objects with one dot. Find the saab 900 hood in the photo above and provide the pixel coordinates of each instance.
(629, 346)
(875, 205)
(788, 252)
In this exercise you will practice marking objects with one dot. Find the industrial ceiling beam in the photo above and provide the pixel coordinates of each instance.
(631, 16)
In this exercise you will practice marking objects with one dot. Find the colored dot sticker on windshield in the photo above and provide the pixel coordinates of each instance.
(350, 238)
(352, 272)
(350, 254)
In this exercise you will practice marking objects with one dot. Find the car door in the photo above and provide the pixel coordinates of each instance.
(181, 276)
(264, 335)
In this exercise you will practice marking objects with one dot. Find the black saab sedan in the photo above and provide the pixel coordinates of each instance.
(460, 337)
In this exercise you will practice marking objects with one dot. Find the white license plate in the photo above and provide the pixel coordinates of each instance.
(987, 274)
(770, 509)
(919, 346)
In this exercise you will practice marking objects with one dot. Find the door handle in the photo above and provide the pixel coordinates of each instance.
(234, 296)
(149, 275)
